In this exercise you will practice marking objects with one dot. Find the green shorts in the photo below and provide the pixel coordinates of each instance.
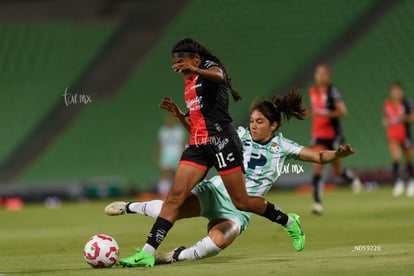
(216, 203)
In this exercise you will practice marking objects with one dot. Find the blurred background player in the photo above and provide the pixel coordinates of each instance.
(327, 108)
(171, 140)
(398, 114)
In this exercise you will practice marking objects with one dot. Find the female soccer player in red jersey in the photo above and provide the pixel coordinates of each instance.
(398, 114)
(213, 143)
(265, 152)
(327, 109)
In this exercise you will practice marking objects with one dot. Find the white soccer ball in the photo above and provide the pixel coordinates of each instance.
(101, 251)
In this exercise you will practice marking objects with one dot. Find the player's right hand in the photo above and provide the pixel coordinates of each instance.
(344, 151)
(169, 105)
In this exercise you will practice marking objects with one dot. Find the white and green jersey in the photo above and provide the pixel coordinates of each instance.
(264, 162)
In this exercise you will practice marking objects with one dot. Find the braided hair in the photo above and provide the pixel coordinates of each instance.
(191, 46)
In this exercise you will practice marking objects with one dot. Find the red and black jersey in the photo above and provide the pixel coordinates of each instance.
(398, 131)
(324, 101)
(208, 104)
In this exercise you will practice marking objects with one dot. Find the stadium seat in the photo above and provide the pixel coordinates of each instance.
(37, 62)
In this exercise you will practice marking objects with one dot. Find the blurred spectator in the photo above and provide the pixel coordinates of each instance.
(398, 114)
(327, 109)
(171, 140)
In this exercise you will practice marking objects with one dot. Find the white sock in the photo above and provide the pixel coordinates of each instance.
(147, 248)
(149, 208)
(202, 249)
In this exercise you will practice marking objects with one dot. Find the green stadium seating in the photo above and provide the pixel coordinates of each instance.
(37, 62)
(263, 43)
(364, 75)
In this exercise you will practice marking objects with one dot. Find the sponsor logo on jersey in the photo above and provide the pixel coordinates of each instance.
(256, 160)
(198, 85)
(195, 104)
(274, 147)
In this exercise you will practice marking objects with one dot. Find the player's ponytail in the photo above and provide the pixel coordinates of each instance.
(189, 47)
(290, 105)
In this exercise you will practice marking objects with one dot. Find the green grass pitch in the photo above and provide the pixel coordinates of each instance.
(38, 241)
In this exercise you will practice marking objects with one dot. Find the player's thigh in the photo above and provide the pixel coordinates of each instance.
(190, 208)
(223, 232)
(235, 186)
(395, 150)
(186, 177)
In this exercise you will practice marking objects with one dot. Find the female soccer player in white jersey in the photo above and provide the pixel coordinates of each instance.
(264, 156)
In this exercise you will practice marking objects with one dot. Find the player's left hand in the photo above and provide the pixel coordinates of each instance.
(184, 67)
(344, 151)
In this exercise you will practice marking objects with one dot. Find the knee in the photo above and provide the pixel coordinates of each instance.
(224, 234)
(175, 198)
(223, 238)
(221, 242)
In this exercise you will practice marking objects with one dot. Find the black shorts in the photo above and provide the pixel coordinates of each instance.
(224, 152)
(329, 144)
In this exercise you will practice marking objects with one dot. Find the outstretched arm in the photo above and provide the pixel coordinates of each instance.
(169, 105)
(325, 156)
(214, 73)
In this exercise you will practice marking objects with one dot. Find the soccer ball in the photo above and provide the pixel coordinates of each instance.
(101, 251)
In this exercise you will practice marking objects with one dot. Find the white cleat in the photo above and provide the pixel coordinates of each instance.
(410, 188)
(116, 208)
(356, 186)
(168, 257)
(164, 257)
(317, 208)
(398, 188)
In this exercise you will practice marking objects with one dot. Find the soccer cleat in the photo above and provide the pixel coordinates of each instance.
(169, 257)
(139, 259)
(356, 186)
(410, 188)
(116, 208)
(295, 232)
(317, 208)
(398, 188)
